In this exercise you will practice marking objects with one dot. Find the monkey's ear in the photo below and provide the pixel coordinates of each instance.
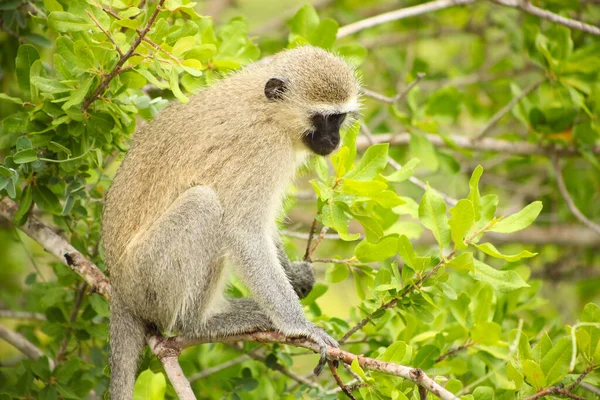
(275, 88)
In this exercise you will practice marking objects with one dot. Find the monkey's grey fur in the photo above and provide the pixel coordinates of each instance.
(203, 183)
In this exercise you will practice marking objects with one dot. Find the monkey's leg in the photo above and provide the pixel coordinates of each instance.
(300, 273)
(239, 316)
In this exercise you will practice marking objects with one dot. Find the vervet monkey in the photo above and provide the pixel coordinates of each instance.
(204, 183)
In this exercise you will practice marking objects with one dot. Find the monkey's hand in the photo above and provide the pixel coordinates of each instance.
(323, 340)
(302, 277)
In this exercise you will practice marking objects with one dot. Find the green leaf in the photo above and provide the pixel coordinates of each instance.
(372, 163)
(52, 5)
(202, 52)
(483, 393)
(321, 168)
(341, 161)
(184, 44)
(78, 95)
(387, 199)
(24, 205)
(325, 34)
(403, 174)
(334, 216)
(474, 195)
(150, 386)
(372, 228)
(26, 56)
(445, 102)
(46, 200)
(520, 220)
(462, 217)
(503, 281)
(486, 333)
(397, 353)
(305, 21)
(432, 213)
(408, 255)
(490, 250)
(23, 143)
(534, 375)
(349, 141)
(423, 149)
(25, 156)
(99, 304)
(16, 100)
(362, 188)
(356, 368)
(336, 273)
(555, 363)
(62, 21)
(463, 262)
(384, 249)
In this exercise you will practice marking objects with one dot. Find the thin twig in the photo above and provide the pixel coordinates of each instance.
(122, 60)
(318, 241)
(554, 390)
(399, 96)
(78, 299)
(303, 235)
(352, 260)
(455, 350)
(218, 368)
(21, 343)
(311, 234)
(529, 8)
(10, 314)
(506, 109)
(485, 144)
(398, 15)
(590, 388)
(567, 197)
(105, 32)
(339, 381)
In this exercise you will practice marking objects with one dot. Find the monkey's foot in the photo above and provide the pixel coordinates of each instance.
(323, 340)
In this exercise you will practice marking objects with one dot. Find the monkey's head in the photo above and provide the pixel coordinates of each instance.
(318, 92)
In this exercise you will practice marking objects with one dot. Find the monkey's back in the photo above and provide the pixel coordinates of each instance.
(210, 141)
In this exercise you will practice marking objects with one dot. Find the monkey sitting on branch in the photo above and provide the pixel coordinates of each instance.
(203, 183)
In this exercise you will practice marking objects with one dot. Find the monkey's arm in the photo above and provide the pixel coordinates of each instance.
(259, 267)
(300, 273)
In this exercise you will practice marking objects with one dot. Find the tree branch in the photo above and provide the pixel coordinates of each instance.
(414, 374)
(527, 7)
(570, 203)
(167, 350)
(60, 248)
(21, 343)
(398, 15)
(506, 109)
(168, 356)
(485, 144)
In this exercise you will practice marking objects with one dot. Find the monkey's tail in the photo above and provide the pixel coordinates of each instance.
(127, 340)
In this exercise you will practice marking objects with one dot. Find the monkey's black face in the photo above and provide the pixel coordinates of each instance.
(325, 135)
